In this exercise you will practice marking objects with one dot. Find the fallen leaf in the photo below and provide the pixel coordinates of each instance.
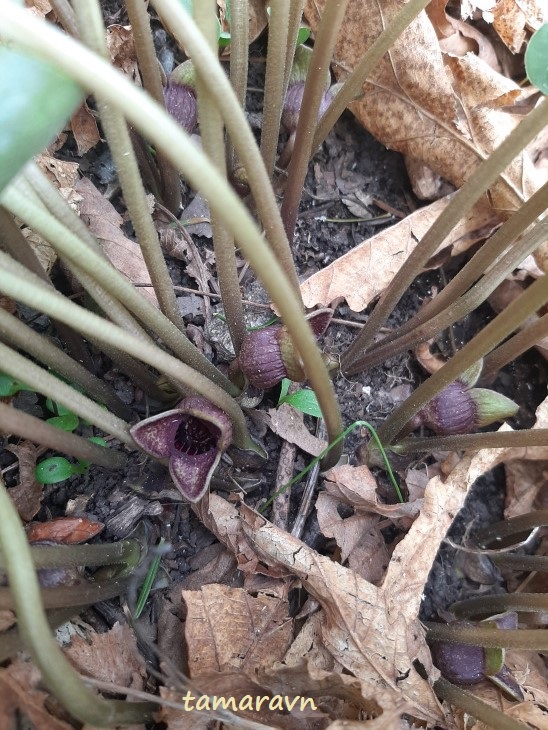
(84, 129)
(104, 222)
(64, 530)
(511, 18)
(122, 51)
(287, 423)
(227, 629)
(413, 103)
(27, 495)
(110, 657)
(7, 619)
(258, 18)
(40, 8)
(364, 272)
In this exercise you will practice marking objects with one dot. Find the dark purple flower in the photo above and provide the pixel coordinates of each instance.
(192, 437)
(180, 96)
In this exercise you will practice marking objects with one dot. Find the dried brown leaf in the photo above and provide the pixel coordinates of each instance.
(364, 272)
(109, 657)
(258, 18)
(105, 222)
(122, 51)
(27, 495)
(228, 629)
(84, 129)
(64, 530)
(40, 8)
(287, 423)
(511, 18)
(410, 104)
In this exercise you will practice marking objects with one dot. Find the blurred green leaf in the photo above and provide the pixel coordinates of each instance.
(536, 59)
(67, 422)
(303, 35)
(37, 100)
(56, 408)
(54, 470)
(10, 386)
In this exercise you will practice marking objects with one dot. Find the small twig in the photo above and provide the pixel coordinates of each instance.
(304, 508)
(284, 472)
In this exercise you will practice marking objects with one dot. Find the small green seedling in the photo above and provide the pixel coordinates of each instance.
(57, 469)
(11, 386)
(536, 59)
(303, 400)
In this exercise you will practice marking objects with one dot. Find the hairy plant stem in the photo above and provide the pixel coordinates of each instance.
(527, 563)
(25, 426)
(92, 31)
(274, 89)
(24, 289)
(20, 367)
(478, 182)
(532, 639)
(505, 323)
(528, 337)
(513, 526)
(14, 332)
(467, 276)
(74, 556)
(459, 308)
(82, 593)
(58, 675)
(70, 247)
(294, 22)
(352, 86)
(492, 605)
(472, 441)
(475, 707)
(65, 13)
(314, 88)
(239, 61)
(89, 70)
(212, 133)
(152, 82)
(205, 61)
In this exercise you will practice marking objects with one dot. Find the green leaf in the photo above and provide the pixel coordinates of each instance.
(99, 441)
(54, 470)
(10, 386)
(303, 400)
(224, 39)
(283, 391)
(82, 465)
(303, 35)
(536, 59)
(67, 422)
(37, 101)
(56, 408)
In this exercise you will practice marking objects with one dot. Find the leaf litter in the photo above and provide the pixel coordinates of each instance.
(357, 646)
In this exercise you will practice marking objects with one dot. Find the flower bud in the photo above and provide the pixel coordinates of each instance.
(268, 355)
(180, 97)
(294, 96)
(461, 409)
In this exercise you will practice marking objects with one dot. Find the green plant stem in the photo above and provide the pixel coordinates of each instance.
(514, 526)
(81, 593)
(478, 182)
(74, 556)
(152, 82)
(14, 332)
(111, 280)
(492, 605)
(22, 424)
(532, 639)
(294, 21)
(352, 87)
(505, 323)
(212, 133)
(514, 347)
(31, 293)
(488, 256)
(187, 34)
(92, 31)
(472, 441)
(475, 707)
(164, 132)
(239, 61)
(461, 307)
(274, 90)
(20, 367)
(65, 13)
(58, 675)
(314, 88)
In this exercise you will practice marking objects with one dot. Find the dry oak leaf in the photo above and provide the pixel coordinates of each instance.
(363, 273)
(84, 128)
(374, 632)
(511, 18)
(122, 51)
(227, 629)
(287, 423)
(409, 103)
(104, 223)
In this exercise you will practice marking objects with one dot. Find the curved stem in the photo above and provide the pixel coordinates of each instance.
(212, 133)
(505, 323)
(152, 82)
(527, 563)
(532, 639)
(491, 605)
(164, 132)
(57, 673)
(112, 280)
(26, 426)
(478, 182)
(471, 705)
(92, 31)
(41, 298)
(274, 89)
(512, 526)
(472, 441)
(314, 88)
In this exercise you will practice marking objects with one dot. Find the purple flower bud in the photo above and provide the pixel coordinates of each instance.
(192, 437)
(295, 89)
(180, 97)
